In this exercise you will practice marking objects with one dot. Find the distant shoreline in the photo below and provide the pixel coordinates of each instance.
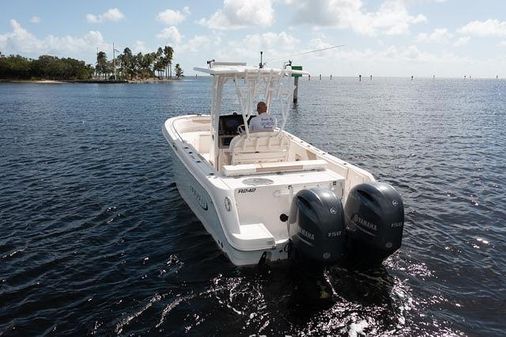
(150, 80)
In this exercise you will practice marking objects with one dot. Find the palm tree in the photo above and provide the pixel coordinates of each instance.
(146, 63)
(101, 66)
(127, 63)
(168, 54)
(158, 63)
(179, 71)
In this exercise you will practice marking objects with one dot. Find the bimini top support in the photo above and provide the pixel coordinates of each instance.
(251, 84)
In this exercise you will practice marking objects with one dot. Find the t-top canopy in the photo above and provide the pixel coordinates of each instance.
(241, 69)
(252, 85)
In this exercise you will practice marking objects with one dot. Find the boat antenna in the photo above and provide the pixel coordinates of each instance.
(260, 65)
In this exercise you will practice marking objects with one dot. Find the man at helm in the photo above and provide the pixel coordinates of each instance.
(264, 121)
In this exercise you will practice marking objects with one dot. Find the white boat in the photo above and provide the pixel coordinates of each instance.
(265, 196)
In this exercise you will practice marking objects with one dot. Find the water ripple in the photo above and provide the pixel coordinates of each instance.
(95, 239)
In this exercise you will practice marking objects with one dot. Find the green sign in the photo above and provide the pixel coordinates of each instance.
(296, 68)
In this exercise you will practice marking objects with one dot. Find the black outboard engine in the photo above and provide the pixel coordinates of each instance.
(316, 227)
(374, 222)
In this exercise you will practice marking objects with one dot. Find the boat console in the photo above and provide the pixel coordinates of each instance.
(228, 129)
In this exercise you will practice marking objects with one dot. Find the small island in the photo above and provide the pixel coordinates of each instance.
(123, 68)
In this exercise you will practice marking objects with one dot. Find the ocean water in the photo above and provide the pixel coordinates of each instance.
(95, 239)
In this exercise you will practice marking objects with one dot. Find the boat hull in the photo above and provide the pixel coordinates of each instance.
(246, 211)
(198, 198)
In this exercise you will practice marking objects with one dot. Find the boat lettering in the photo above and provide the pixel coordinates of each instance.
(200, 199)
(396, 224)
(307, 234)
(334, 234)
(247, 190)
(364, 223)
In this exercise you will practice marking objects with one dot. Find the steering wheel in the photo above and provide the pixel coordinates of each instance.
(240, 129)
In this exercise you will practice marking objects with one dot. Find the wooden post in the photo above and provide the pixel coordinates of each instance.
(320, 77)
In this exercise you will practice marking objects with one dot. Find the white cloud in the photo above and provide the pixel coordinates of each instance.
(491, 27)
(461, 41)
(170, 34)
(392, 17)
(19, 40)
(319, 43)
(439, 35)
(173, 17)
(276, 47)
(35, 19)
(270, 41)
(112, 15)
(238, 14)
(198, 43)
(140, 47)
(402, 61)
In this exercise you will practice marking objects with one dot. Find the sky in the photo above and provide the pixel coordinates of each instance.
(445, 38)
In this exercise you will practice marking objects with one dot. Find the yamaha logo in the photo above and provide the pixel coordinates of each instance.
(360, 222)
(307, 234)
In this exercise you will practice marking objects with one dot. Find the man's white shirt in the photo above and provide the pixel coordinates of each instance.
(263, 122)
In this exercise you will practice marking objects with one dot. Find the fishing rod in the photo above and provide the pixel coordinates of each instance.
(307, 52)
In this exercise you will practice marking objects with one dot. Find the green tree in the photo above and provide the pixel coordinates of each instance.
(127, 63)
(168, 53)
(178, 70)
(101, 66)
(158, 63)
(146, 62)
(15, 67)
(51, 67)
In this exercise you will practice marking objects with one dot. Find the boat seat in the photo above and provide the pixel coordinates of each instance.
(259, 147)
(263, 168)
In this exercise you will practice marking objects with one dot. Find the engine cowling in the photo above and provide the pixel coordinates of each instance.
(374, 214)
(316, 226)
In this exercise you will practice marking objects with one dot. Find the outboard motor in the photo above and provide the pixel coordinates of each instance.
(374, 215)
(316, 227)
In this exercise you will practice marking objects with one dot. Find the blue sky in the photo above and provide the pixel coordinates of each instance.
(446, 38)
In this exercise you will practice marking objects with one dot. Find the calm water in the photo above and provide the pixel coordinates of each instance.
(95, 239)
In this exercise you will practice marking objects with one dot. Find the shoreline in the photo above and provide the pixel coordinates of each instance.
(150, 80)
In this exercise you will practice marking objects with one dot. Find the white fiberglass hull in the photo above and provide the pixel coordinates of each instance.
(200, 202)
(244, 213)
